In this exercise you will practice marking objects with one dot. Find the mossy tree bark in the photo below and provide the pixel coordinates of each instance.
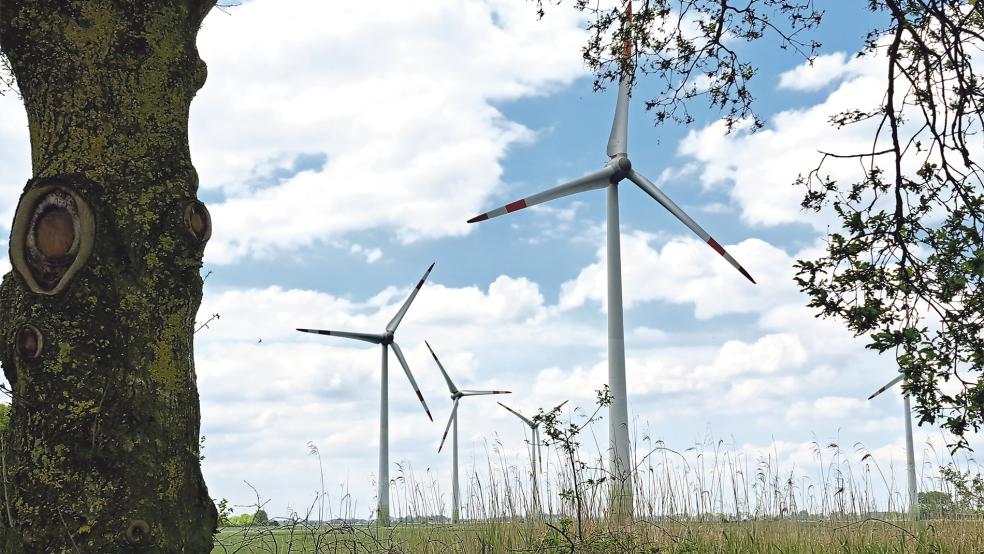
(96, 319)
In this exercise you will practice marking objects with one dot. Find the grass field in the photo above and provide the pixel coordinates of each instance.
(706, 498)
(868, 536)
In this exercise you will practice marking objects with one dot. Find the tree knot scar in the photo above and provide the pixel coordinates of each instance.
(29, 342)
(198, 221)
(138, 532)
(52, 237)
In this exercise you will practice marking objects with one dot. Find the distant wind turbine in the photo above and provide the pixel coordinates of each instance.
(910, 455)
(456, 395)
(536, 453)
(617, 169)
(386, 340)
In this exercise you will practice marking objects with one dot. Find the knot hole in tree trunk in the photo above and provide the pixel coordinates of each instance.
(52, 237)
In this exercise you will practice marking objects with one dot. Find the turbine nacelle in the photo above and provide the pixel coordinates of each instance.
(456, 395)
(621, 167)
(617, 169)
(387, 338)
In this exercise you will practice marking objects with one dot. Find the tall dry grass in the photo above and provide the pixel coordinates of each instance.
(711, 496)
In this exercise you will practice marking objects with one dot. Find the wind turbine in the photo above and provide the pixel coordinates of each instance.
(386, 340)
(535, 449)
(615, 170)
(456, 395)
(910, 455)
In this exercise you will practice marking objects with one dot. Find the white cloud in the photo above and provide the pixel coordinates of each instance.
(823, 71)
(372, 254)
(644, 333)
(763, 166)
(398, 97)
(829, 407)
(686, 270)
(769, 354)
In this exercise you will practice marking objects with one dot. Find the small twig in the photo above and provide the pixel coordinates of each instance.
(221, 7)
(3, 467)
(555, 528)
(205, 325)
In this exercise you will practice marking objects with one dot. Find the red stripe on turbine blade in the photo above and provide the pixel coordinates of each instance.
(478, 218)
(720, 250)
(429, 416)
(877, 392)
(420, 284)
(420, 396)
(517, 205)
(714, 244)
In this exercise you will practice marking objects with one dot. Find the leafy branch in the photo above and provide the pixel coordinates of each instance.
(692, 49)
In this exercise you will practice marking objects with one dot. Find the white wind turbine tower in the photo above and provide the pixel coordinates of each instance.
(910, 455)
(386, 340)
(617, 169)
(456, 395)
(536, 453)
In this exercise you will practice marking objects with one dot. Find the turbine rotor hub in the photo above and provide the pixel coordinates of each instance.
(388, 337)
(622, 167)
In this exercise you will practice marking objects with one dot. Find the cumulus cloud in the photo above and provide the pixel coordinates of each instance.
(372, 255)
(828, 407)
(686, 270)
(763, 166)
(396, 100)
(822, 71)
(768, 354)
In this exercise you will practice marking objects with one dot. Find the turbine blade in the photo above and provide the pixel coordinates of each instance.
(887, 386)
(413, 382)
(484, 392)
(595, 180)
(618, 141)
(517, 414)
(448, 426)
(395, 322)
(652, 190)
(447, 378)
(368, 337)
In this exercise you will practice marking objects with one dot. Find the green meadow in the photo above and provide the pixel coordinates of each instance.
(868, 536)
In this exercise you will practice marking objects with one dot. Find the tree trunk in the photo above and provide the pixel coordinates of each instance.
(97, 316)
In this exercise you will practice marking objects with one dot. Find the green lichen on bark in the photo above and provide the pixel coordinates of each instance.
(104, 424)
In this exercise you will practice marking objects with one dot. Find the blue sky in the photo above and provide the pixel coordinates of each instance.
(342, 154)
